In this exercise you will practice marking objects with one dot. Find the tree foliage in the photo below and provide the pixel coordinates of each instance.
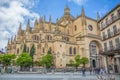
(84, 60)
(77, 60)
(32, 51)
(6, 59)
(47, 60)
(24, 48)
(24, 60)
(71, 62)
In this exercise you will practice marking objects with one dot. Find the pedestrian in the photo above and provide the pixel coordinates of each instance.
(83, 71)
(90, 69)
(101, 70)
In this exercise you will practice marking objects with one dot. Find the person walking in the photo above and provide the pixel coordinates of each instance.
(83, 71)
(90, 69)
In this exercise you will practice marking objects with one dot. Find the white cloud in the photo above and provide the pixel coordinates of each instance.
(12, 12)
(79, 2)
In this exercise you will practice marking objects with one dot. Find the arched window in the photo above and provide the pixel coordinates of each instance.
(35, 37)
(74, 50)
(43, 50)
(49, 37)
(28, 49)
(18, 51)
(70, 50)
(75, 27)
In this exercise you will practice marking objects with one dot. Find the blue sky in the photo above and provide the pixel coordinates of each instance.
(12, 12)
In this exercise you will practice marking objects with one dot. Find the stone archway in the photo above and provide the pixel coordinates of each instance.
(94, 48)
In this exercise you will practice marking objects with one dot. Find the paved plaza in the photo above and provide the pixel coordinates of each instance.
(50, 76)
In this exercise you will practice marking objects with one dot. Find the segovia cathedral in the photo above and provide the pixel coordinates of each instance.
(66, 38)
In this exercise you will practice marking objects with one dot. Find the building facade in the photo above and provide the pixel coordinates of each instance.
(66, 38)
(110, 32)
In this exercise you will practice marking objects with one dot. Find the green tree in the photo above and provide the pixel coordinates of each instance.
(24, 48)
(77, 61)
(71, 62)
(32, 51)
(47, 60)
(24, 60)
(84, 60)
(6, 60)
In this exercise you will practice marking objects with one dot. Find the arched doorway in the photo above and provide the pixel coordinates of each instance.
(94, 48)
(93, 63)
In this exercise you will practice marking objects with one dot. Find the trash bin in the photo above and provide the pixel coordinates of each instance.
(9, 70)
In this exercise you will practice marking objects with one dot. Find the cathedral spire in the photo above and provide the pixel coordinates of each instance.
(50, 19)
(20, 29)
(28, 23)
(83, 16)
(98, 16)
(8, 41)
(44, 18)
(83, 12)
(66, 11)
(15, 38)
(28, 26)
(11, 39)
(36, 23)
(40, 20)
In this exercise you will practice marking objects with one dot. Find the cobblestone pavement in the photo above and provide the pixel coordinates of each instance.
(50, 76)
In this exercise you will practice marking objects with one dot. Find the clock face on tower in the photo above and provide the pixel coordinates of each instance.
(90, 27)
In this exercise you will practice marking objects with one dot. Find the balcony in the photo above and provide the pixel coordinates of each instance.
(112, 34)
(110, 51)
(110, 21)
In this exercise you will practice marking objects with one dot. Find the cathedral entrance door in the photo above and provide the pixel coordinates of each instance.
(94, 63)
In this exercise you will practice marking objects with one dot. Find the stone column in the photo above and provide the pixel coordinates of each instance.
(106, 64)
(118, 64)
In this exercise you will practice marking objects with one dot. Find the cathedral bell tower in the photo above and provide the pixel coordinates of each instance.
(66, 12)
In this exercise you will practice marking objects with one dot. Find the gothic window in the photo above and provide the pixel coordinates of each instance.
(43, 50)
(18, 51)
(75, 27)
(93, 48)
(21, 47)
(35, 37)
(28, 49)
(70, 50)
(74, 50)
(49, 37)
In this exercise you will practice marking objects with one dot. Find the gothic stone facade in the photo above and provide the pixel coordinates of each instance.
(66, 38)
